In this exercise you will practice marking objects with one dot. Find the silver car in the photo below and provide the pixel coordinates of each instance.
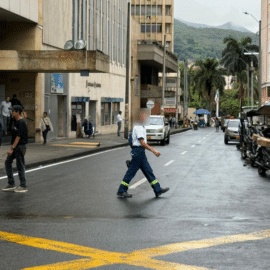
(232, 131)
(158, 130)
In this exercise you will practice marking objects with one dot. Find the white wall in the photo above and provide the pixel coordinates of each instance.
(113, 85)
(25, 8)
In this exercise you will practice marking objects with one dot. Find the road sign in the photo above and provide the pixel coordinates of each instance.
(150, 104)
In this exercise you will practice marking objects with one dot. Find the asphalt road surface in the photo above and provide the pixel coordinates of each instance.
(215, 216)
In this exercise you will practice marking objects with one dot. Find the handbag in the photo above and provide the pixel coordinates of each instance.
(47, 126)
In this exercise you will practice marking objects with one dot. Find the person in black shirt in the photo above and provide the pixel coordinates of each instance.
(14, 101)
(18, 141)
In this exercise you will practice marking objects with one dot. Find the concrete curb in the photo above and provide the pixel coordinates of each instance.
(92, 151)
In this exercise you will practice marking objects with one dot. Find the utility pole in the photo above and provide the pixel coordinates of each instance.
(248, 82)
(127, 76)
(185, 88)
(260, 65)
(252, 94)
(177, 96)
(163, 76)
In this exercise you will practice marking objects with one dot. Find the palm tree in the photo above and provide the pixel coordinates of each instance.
(234, 59)
(208, 78)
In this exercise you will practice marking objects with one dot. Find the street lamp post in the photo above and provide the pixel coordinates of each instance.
(260, 60)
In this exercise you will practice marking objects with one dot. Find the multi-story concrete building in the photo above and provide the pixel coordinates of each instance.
(100, 97)
(151, 20)
(156, 20)
(34, 65)
(265, 50)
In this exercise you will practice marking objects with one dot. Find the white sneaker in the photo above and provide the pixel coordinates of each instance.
(9, 188)
(20, 189)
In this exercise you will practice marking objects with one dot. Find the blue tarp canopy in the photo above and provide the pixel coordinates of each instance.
(201, 111)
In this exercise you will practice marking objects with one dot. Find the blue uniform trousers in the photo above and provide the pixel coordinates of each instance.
(139, 161)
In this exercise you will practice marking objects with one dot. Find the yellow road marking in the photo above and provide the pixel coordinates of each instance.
(86, 143)
(140, 258)
(74, 146)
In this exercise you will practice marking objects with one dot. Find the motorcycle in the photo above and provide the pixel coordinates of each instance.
(195, 125)
(249, 145)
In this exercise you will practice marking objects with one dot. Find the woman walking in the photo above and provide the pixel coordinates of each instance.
(45, 126)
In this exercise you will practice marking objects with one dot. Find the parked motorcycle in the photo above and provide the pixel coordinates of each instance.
(249, 145)
(195, 125)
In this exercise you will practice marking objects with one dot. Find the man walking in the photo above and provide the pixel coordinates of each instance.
(139, 160)
(5, 112)
(17, 151)
(119, 122)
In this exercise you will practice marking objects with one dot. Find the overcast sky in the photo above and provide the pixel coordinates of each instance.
(218, 12)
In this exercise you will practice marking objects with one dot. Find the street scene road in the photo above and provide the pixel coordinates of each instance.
(215, 215)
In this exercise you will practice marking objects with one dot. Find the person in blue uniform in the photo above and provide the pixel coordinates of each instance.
(139, 160)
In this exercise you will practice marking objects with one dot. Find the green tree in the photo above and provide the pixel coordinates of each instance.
(208, 78)
(234, 59)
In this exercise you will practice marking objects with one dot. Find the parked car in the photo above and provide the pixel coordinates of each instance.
(224, 124)
(232, 131)
(158, 130)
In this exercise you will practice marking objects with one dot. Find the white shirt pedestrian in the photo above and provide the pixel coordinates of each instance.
(138, 133)
(119, 123)
(5, 108)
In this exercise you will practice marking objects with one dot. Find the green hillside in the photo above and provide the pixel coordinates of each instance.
(199, 43)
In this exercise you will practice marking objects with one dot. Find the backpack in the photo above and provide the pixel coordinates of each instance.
(130, 140)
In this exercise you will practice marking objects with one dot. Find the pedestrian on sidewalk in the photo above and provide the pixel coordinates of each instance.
(217, 124)
(139, 159)
(87, 127)
(5, 109)
(17, 151)
(2, 132)
(45, 125)
(119, 122)
(170, 121)
(173, 122)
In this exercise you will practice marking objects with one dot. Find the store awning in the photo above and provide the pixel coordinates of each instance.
(59, 61)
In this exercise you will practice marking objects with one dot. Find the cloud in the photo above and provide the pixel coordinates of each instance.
(217, 12)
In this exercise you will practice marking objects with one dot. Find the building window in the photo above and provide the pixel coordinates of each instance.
(156, 28)
(148, 10)
(268, 91)
(105, 113)
(168, 28)
(168, 10)
(137, 85)
(159, 10)
(115, 111)
(142, 10)
(168, 43)
(133, 10)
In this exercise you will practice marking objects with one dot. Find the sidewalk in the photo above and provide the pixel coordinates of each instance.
(63, 149)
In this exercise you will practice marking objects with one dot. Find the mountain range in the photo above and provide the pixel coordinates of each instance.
(226, 26)
(194, 41)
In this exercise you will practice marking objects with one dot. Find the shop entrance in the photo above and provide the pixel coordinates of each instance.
(77, 114)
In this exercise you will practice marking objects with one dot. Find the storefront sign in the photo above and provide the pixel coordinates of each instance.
(105, 99)
(80, 99)
(57, 83)
(169, 110)
(95, 85)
